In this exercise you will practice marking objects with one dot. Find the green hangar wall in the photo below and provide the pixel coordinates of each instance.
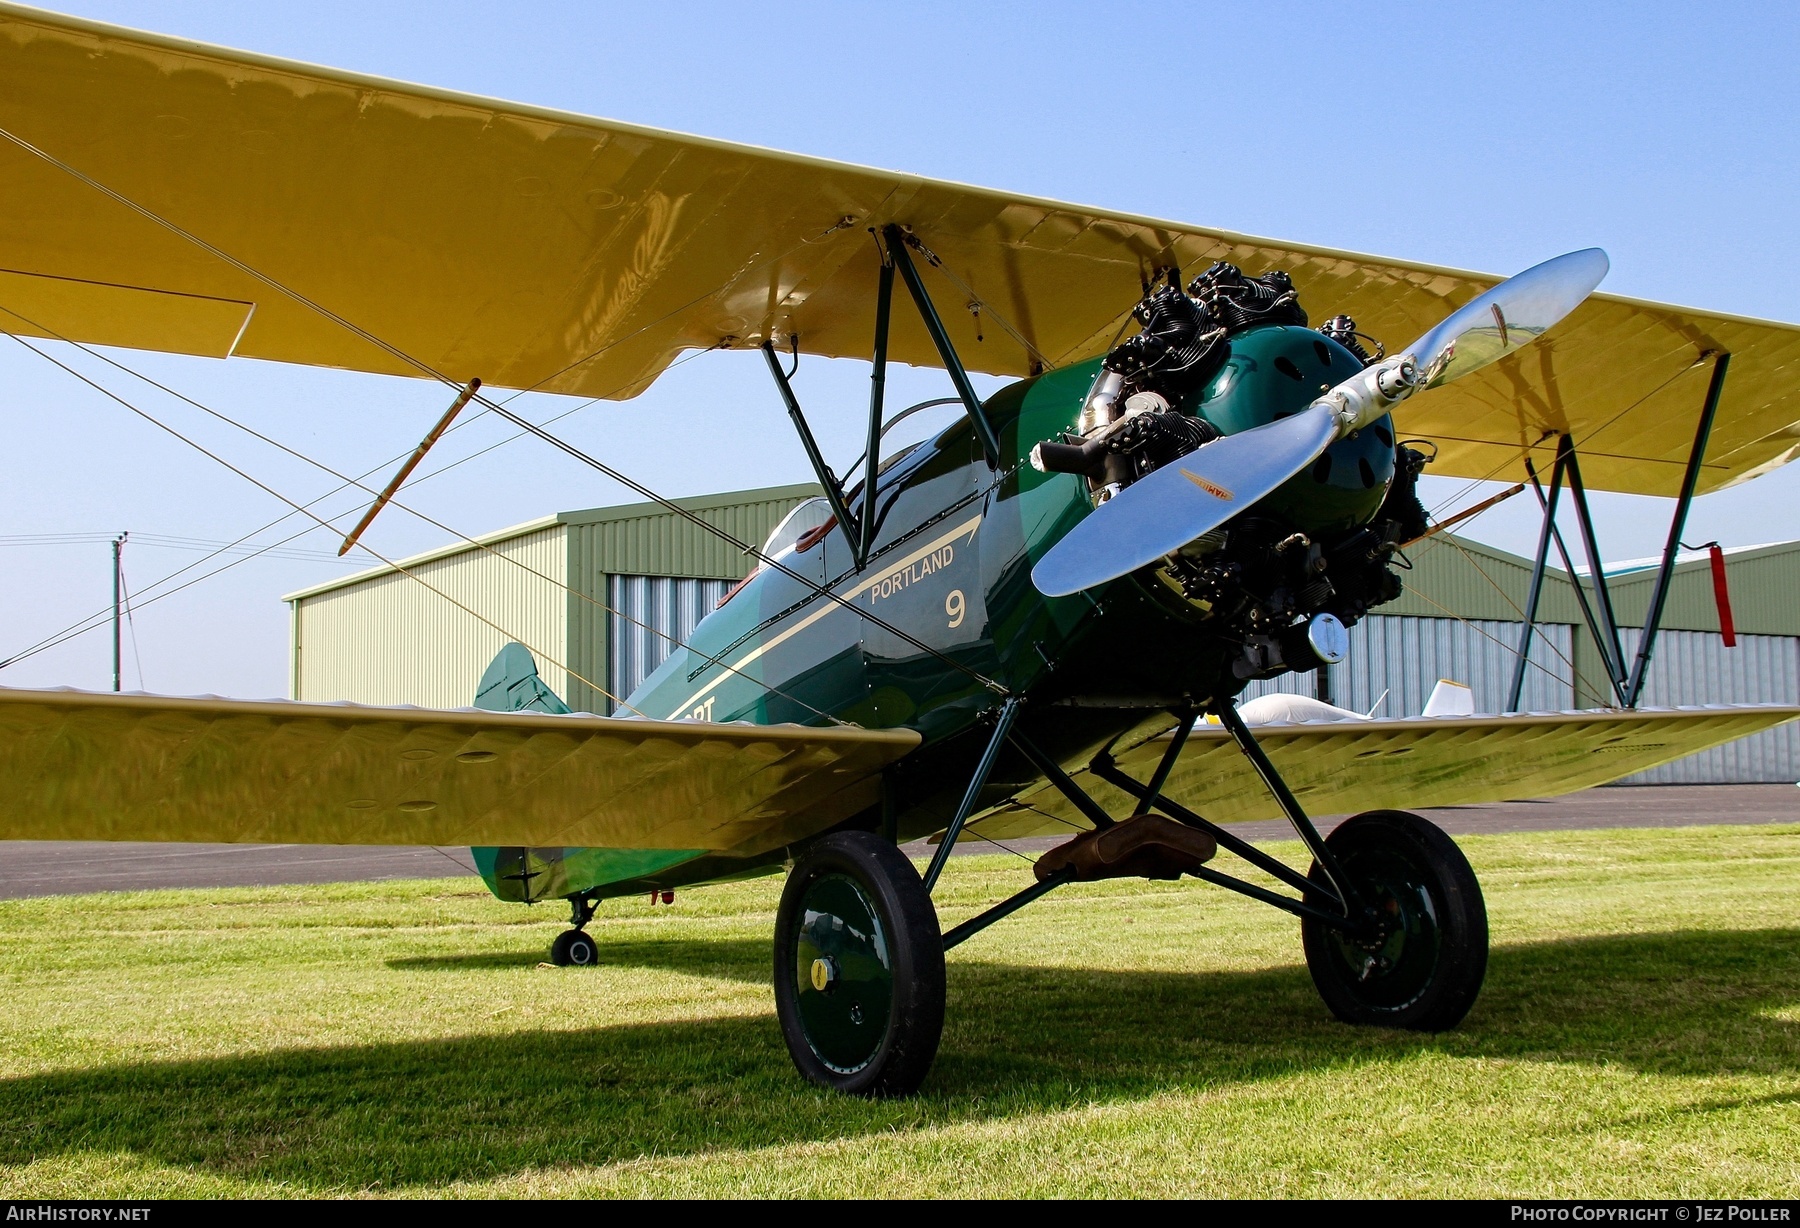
(395, 635)
(1462, 614)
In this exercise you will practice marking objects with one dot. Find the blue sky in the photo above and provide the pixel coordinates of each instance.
(1484, 136)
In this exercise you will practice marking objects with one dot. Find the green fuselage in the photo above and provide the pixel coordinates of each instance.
(954, 545)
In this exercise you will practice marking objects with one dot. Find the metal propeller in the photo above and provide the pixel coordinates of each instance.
(1170, 507)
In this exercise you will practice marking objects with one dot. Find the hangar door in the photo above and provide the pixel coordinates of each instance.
(650, 613)
(1396, 660)
(1695, 667)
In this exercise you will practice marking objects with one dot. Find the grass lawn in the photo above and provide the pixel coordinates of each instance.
(1639, 1035)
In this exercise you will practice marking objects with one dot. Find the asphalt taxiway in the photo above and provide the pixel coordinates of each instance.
(41, 867)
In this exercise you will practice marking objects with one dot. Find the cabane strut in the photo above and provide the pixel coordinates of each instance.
(859, 530)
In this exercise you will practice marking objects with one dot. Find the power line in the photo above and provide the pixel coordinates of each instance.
(162, 541)
(104, 391)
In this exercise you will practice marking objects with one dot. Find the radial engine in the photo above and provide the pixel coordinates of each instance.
(1283, 579)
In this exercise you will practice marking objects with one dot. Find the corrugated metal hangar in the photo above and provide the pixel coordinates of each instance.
(379, 637)
(600, 591)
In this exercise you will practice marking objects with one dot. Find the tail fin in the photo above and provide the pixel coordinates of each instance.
(511, 684)
(1450, 698)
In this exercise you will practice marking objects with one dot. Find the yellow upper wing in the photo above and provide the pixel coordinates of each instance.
(1339, 767)
(76, 765)
(536, 248)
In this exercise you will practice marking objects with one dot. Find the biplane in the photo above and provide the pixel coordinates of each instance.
(1037, 621)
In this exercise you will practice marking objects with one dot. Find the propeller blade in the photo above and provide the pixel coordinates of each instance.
(1512, 314)
(1166, 509)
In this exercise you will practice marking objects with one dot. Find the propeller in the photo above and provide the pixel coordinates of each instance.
(1171, 506)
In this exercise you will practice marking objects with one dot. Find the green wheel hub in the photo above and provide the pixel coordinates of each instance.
(859, 967)
(1394, 966)
(843, 973)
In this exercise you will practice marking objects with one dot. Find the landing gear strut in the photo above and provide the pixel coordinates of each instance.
(1391, 915)
(576, 948)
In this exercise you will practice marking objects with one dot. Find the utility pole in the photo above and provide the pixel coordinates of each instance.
(118, 587)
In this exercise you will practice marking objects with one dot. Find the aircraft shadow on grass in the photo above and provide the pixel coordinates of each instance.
(733, 959)
(1021, 1040)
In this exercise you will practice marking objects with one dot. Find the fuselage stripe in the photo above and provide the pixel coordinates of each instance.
(968, 527)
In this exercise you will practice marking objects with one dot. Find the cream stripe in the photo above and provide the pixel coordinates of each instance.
(968, 526)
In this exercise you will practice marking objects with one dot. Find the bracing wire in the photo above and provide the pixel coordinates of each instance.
(82, 626)
(313, 305)
(1004, 848)
(1468, 486)
(1573, 681)
(98, 618)
(977, 304)
(456, 861)
(154, 421)
(710, 659)
(499, 408)
(1472, 483)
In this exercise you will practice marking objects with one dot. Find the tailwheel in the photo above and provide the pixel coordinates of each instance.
(1420, 963)
(574, 949)
(859, 967)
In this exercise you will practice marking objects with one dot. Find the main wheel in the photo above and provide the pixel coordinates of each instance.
(1422, 964)
(574, 949)
(859, 967)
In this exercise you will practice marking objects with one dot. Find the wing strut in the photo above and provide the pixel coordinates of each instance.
(884, 304)
(834, 489)
(897, 240)
(393, 487)
(1689, 479)
(1627, 683)
(1606, 641)
(859, 531)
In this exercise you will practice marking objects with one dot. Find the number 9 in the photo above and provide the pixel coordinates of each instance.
(955, 607)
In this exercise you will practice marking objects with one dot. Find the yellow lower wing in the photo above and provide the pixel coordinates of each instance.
(81, 766)
(1340, 767)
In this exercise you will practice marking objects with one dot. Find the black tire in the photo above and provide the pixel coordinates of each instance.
(574, 949)
(1424, 968)
(859, 967)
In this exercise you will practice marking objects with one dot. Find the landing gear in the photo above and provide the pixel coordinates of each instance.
(576, 948)
(1392, 919)
(859, 967)
(1422, 963)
